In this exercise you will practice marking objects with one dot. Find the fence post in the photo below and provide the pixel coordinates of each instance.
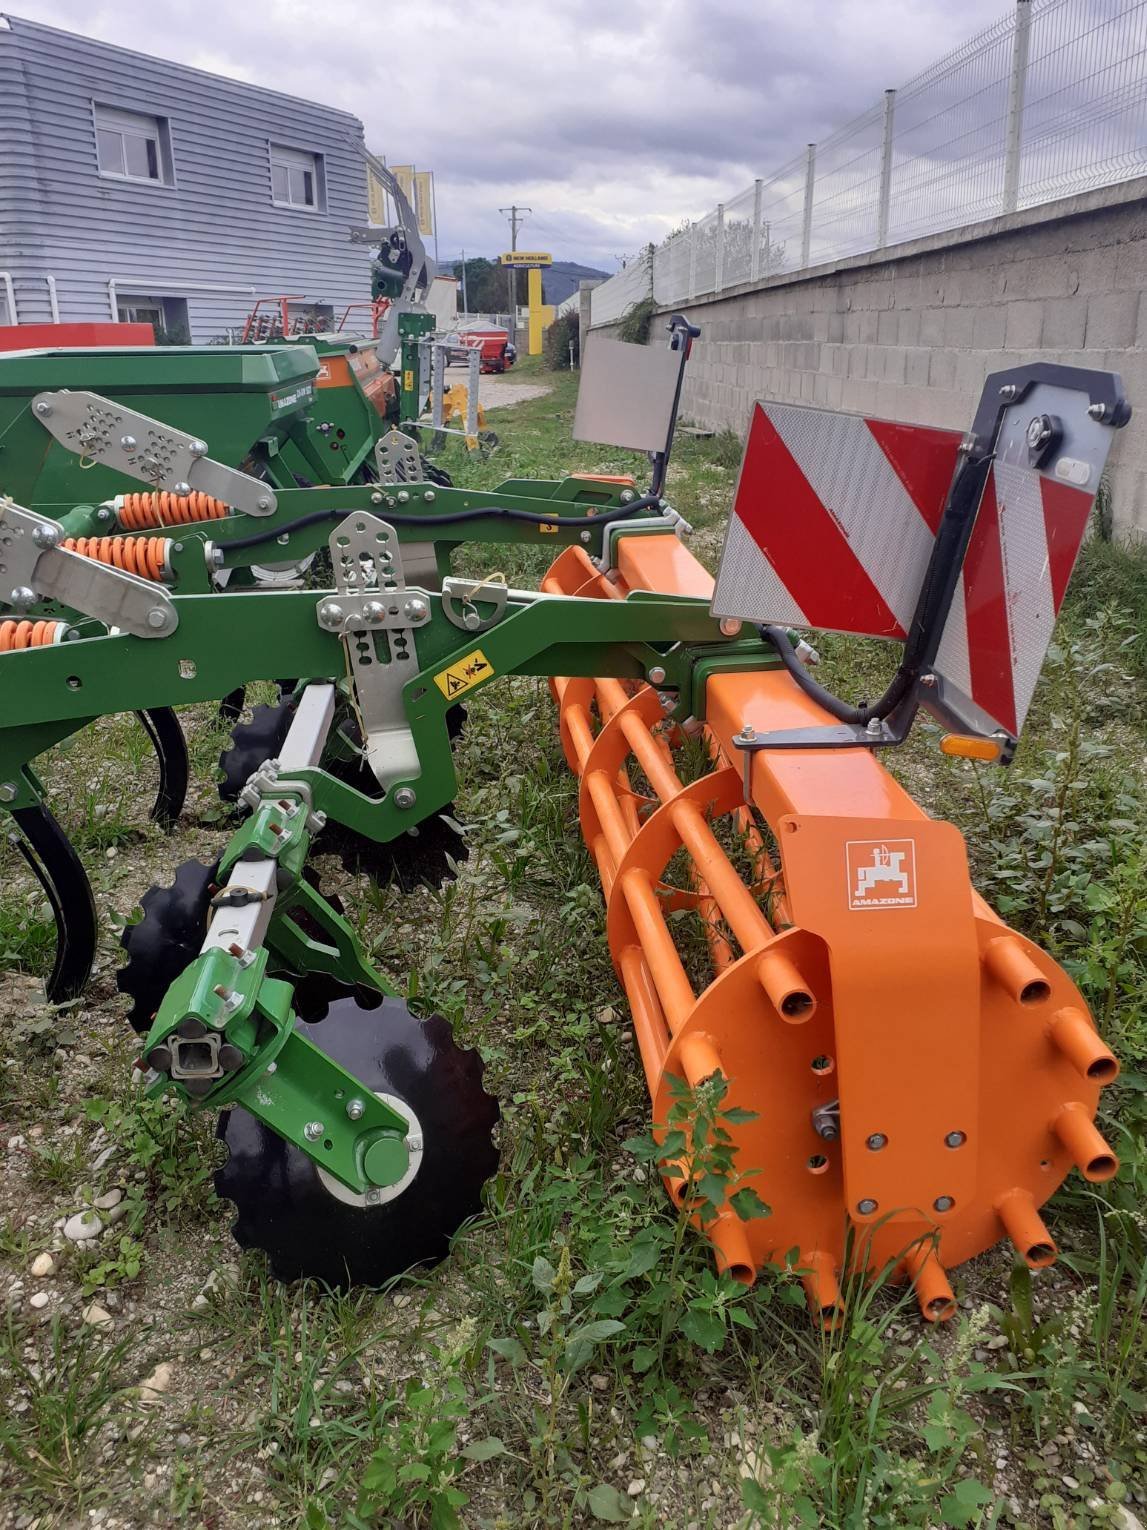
(809, 183)
(1021, 43)
(719, 266)
(886, 170)
(755, 263)
(693, 260)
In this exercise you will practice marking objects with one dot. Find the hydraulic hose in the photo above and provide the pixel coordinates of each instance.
(458, 517)
(841, 710)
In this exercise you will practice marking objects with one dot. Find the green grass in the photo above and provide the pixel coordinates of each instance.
(577, 1341)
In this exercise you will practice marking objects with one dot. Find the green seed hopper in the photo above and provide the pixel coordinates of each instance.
(250, 403)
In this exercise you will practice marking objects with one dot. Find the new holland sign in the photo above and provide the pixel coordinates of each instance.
(525, 258)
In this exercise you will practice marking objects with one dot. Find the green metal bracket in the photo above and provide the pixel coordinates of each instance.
(276, 830)
(338, 953)
(226, 1007)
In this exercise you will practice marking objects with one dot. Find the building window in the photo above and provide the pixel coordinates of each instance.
(132, 146)
(166, 315)
(297, 179)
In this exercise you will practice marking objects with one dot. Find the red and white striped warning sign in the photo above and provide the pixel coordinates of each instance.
(833, 523)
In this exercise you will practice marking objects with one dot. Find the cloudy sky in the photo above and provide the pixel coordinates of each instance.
(614, 120)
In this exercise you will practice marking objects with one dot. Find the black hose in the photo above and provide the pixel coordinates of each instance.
(498, 512)
(839, 709)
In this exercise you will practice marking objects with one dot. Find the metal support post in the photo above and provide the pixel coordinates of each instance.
(438, 386)
(693, 260)
(1021, 44)
(886, 170)
(809, 183)
(755, 263)
(473, 362)
(719, 268)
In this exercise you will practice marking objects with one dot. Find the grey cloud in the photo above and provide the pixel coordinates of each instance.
(615, 121)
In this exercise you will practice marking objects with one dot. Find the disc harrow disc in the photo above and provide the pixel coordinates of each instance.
(306, 1229)
(252, 743)
(165, 940)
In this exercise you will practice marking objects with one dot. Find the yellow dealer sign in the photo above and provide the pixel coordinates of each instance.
(525, 258)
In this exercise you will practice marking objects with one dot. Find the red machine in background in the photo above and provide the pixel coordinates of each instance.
(52, 337)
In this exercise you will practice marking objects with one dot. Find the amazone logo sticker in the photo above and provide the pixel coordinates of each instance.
(881, 873)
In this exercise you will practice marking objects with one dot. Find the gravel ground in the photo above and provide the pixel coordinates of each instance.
(498, 390)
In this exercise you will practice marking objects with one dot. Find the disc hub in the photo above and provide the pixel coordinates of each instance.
(383, 1162)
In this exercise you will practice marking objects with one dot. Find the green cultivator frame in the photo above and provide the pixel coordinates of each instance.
(250, 990)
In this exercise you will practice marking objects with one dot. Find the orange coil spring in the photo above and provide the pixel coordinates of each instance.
(29, 634)
(140, 512)
(148, 557)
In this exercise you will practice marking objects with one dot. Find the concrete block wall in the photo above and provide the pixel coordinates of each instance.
(912, 333)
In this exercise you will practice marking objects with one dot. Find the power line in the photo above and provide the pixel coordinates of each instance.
(516, 215)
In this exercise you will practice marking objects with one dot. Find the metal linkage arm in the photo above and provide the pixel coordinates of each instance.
(145, 448)
(33, 568)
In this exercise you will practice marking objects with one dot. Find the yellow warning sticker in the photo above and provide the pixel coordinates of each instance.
(547, 526)
(469, 671)
(408, 381)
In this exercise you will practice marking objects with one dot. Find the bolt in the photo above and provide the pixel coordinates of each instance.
(730, 626)
(7, 791)
(415, 610)
(657, 675)
(1008, 391)
(747, 734)
(405, 798)
(181, 487)
(403, 496)
(330, 613)
(943, 1203)
(355, 1109)
(1097, 411)
(585, 536)
(877, 1141)
(875, 727)
(955, 1139)
(429, 496)
(283, 538)
(105, 514)
(197, 448)
(264, 503)
(374, 611)
(626, 496)
(928, 680)
(46, 536)
(129, 443)
(43, 408)
(157, 617)
(376, 498)
(866, 1207)
(313, 1131)
(22, 597)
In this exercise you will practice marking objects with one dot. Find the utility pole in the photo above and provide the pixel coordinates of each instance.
(465, 299)
(516, 215)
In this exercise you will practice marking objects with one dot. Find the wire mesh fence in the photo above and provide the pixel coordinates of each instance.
(1048, 101)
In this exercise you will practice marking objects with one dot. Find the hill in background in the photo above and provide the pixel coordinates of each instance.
(562, 278)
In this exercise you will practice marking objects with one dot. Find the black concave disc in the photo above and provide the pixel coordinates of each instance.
(285, 1208)
(165, 940)
(252, 743)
